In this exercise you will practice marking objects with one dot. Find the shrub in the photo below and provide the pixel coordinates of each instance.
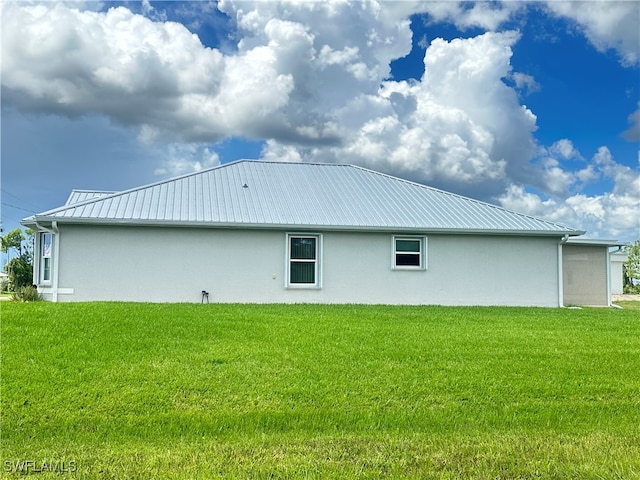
(631, 288)
(4, 284)
(20, 272)
(26, 294)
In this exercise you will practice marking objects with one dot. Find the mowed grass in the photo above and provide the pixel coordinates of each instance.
(121, 390)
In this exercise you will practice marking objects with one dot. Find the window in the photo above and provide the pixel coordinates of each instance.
(45, 257)
(303, 252)
(409, 253)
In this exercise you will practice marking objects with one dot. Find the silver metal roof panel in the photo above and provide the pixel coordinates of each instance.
(77, 196)
(298, 195)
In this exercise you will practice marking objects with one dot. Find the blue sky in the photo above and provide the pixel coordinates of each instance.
(534, 106)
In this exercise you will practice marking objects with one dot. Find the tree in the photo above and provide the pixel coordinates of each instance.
(13, 239)
(20, 268)
(631, 268)
(20, 272)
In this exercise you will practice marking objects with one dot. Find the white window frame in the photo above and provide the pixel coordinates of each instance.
(317, 261)
(422, 253)
(43, 257)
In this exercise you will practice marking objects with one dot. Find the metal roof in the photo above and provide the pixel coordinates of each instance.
(299, 195)
(77, 196)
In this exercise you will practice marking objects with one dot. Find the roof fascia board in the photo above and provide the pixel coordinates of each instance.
(295, 226)
(592, 242)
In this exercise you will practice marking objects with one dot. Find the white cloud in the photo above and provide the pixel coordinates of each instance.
(633, 133)
(556, 180)
(555, 177)
(71, 62)
(273, 152)
(518, 199)
(459, 125)
(615, 213)
(311, 79)
(464, 15)
(626, 180)
(564, 149)
(155, 75)
(180, 158)
(607, 25)
(295, 65)
(525, 82)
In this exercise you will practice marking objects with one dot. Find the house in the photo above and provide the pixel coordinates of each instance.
(254, 231)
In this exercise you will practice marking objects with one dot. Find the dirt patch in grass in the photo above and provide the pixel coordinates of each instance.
(627, 297)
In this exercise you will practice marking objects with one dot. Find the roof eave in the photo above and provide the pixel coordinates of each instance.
(594, 242)
(29, 221)
(36, 219)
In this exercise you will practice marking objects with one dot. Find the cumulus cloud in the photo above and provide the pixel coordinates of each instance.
(554, 177)
(459, 125)
(607, 25)
(312, 80)
(283, 81)
(633, 133)
(181, 158)
(613, 213)
(525, 83)
(156, 75)
(564, 148)
(464, 15)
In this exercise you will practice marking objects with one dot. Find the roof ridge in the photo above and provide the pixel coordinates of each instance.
(91, 190)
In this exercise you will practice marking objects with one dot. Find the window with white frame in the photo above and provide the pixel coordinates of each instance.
(45, 257)
(303, 260)
(409, 253)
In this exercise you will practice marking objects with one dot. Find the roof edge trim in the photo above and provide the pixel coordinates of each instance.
(295, 226)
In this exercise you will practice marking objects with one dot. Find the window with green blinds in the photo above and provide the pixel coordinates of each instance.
(303, 260)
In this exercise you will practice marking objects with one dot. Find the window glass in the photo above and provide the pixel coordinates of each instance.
(46, 269)
(407, 260)
(45, 264)
(303, 272)
(302, 260)
(408, 246)
(46, 245)
(409, 252)
(303, 248)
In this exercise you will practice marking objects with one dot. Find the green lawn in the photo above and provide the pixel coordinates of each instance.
(131, 391)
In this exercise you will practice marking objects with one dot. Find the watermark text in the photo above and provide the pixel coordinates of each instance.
(35, 466)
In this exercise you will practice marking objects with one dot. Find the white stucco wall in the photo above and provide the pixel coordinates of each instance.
(617, 260)
(176, 264)
(585, 279)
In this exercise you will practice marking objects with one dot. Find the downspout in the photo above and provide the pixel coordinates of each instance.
(608, 277)
(562, 241)
(56, 254)
(56, 260)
